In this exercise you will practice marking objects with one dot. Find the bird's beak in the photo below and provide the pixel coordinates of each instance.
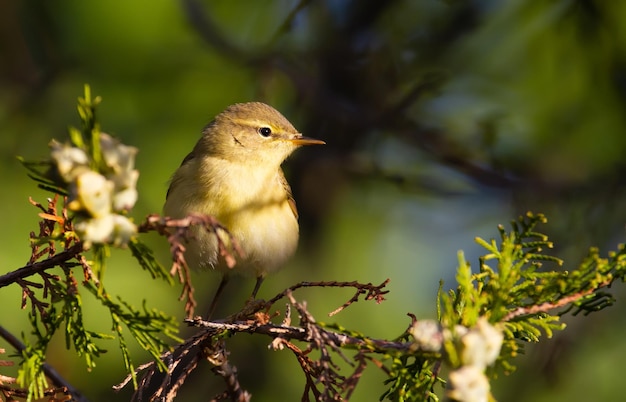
(301, 140)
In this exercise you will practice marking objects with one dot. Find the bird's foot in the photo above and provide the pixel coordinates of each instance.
(252, 310)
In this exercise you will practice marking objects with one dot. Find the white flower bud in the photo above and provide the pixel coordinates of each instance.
(120, 160)
(70, 161)
(427, 335)
(92, 192)
(468, 384)
(96, 230)
(124, 230)
(481, 345)
(117, 156)
(124, 198)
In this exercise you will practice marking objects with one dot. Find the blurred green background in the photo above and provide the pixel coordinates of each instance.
(442, 119)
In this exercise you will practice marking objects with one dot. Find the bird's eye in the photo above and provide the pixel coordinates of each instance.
(265, 131)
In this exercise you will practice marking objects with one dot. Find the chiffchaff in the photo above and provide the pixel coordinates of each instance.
(234, 174)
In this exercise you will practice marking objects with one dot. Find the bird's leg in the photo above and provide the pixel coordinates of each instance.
(259, 281)
(253, 305)
(218, 292)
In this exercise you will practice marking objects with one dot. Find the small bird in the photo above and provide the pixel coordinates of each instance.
(234, 174)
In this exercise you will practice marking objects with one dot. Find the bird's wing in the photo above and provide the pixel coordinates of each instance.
(290, 199)
(173, 180)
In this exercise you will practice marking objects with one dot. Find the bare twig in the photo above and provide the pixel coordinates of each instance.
(215, 352)
(371, 292)
(46, 227)
(172, 359)
(545, 307)
(181, 362)
(302, 334)
(40, 266)
(61, 385)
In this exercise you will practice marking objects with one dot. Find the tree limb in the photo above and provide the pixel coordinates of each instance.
(40, 266)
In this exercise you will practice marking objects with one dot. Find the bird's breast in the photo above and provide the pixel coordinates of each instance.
(253, 205)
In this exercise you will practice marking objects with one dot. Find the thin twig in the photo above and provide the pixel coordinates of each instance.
(371, 291)
(40, 266)
(301, 334)
(50, 372)
(547, 306)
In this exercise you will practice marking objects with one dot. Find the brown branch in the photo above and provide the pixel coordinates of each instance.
(371, 291)
(181, 362)
(46, 227)
(10, 393)
(351, 382)
(185, 372)
(62, 386)
(547, 306)
(308, 368)
(37, 267)
(301, 334)
(29, 294)
(224, 369)
(172, 359)
(327, 372)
